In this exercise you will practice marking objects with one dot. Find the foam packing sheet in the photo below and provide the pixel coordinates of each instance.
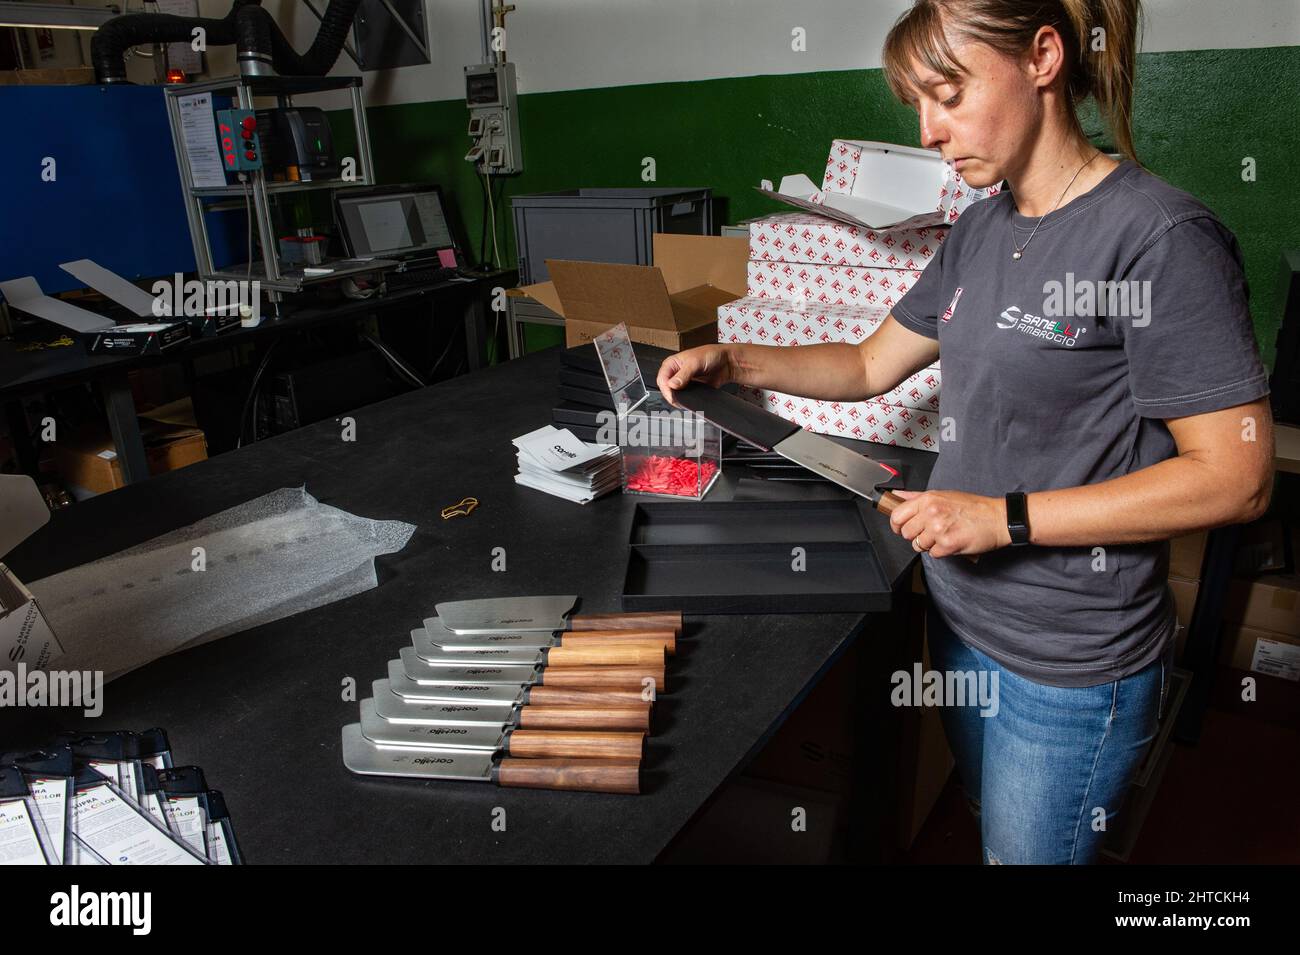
(271, 557)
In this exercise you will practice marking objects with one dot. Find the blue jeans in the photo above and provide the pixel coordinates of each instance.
(1049, 768)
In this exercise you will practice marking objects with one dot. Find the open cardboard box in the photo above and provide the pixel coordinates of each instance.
(672, 304)
(877, 186)
(25, 635)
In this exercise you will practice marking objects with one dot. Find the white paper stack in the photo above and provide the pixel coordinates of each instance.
(555, 461)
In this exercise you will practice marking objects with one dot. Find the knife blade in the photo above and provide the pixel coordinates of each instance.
(504, 693)
(630, 717)
(734, 415)
(622, 678)
(504, 614)
(507, 741)
(597, 654)
(588, 775)
(439, 635)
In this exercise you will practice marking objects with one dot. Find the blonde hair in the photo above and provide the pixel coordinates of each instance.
(1009, 26)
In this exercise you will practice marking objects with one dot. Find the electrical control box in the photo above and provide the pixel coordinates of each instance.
(241, 147)
(493, 119)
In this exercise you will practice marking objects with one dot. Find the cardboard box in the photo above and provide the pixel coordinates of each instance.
(1271, 602)
(876, 185)
(672, 304)
(1184, 593)
(828, 284)
(25, 635)
(87, 463)
(1262, 651)
(1186, 554)
(873, 420)
(817, 240)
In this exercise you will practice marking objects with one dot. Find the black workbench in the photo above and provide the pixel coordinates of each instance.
(261, 711)
(25, 373)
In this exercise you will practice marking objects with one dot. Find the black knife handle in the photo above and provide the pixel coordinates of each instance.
(735, 415)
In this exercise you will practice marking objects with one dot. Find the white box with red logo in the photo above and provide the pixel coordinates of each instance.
(828, 284)
(817, 240)
(875, 420)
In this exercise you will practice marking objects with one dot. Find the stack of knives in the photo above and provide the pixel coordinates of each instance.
(518, 691)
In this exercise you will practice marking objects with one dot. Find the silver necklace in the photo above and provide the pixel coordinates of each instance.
(1021, 249)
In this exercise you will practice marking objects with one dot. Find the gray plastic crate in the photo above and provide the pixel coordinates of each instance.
(603, 225)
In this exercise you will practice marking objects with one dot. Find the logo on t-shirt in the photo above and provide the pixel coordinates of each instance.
(1048, 329)
(952, 306)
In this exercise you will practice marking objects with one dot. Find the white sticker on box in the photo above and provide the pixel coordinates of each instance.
(1275, 658)
(107, 455)
(19, 843)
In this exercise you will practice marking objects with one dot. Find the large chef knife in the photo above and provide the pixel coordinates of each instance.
(857, 472)
(505, 614)
(627, 654)
(506, 740)
(508, 693)
(590, 775)
(621, 678)
(625, 716)
(434, 634)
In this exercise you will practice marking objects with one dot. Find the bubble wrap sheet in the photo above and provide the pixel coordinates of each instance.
(272, 557)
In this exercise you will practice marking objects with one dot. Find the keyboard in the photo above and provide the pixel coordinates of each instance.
(408, 278)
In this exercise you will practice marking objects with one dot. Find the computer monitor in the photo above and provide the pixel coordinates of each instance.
(396, 222)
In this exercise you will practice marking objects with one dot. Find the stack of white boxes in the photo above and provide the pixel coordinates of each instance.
(814, 279)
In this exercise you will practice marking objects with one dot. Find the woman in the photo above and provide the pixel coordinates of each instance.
(1102, 393)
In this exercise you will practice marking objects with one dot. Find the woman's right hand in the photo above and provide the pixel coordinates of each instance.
(710, 364)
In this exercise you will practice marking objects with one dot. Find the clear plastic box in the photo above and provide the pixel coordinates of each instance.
(667, 452)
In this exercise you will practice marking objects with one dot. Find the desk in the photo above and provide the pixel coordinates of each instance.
(27, 373)
(261, 711)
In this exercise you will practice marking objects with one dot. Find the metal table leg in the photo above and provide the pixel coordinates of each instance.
(125, 426)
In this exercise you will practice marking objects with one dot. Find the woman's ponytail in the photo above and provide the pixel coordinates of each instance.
(1107, 34)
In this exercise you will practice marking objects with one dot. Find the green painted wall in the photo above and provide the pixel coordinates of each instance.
(1197, 115)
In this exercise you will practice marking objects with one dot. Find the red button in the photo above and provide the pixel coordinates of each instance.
(250, 155)
(249, 122)
(247, 134)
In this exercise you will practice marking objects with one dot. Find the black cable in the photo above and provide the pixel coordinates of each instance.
(248, 401)
(483, 221)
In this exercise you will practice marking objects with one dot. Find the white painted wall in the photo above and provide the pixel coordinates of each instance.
(584, 44)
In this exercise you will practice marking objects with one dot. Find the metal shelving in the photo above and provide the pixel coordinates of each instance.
(245, 89)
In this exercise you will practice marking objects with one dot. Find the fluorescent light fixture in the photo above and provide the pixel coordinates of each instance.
(54, 16)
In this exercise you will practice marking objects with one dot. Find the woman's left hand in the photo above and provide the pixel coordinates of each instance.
(951, 522)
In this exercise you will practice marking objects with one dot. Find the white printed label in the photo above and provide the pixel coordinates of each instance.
(19, 844)
(218, 851)
(120, 834)
(51, 797)
(187, 820)
(1275, 658)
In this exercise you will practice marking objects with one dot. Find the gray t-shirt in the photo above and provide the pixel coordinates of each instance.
(1053, 380)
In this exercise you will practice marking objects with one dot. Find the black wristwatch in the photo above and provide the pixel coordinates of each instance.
(1018, 518)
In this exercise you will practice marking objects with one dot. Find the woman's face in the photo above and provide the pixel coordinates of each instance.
(984, 121)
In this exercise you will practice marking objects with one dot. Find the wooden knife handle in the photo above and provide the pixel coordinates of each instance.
(584, 775)
(580, 744)
(585, 638)
(634, 718)
(889, 500)
(627, 621)
(603, 655)
(580, 696)
(622, 678)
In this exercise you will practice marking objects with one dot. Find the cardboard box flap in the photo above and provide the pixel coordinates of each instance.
(862, 212)
(611, 293)
(22, 510)
(541, 292)
(693, 307)
(688, 261)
